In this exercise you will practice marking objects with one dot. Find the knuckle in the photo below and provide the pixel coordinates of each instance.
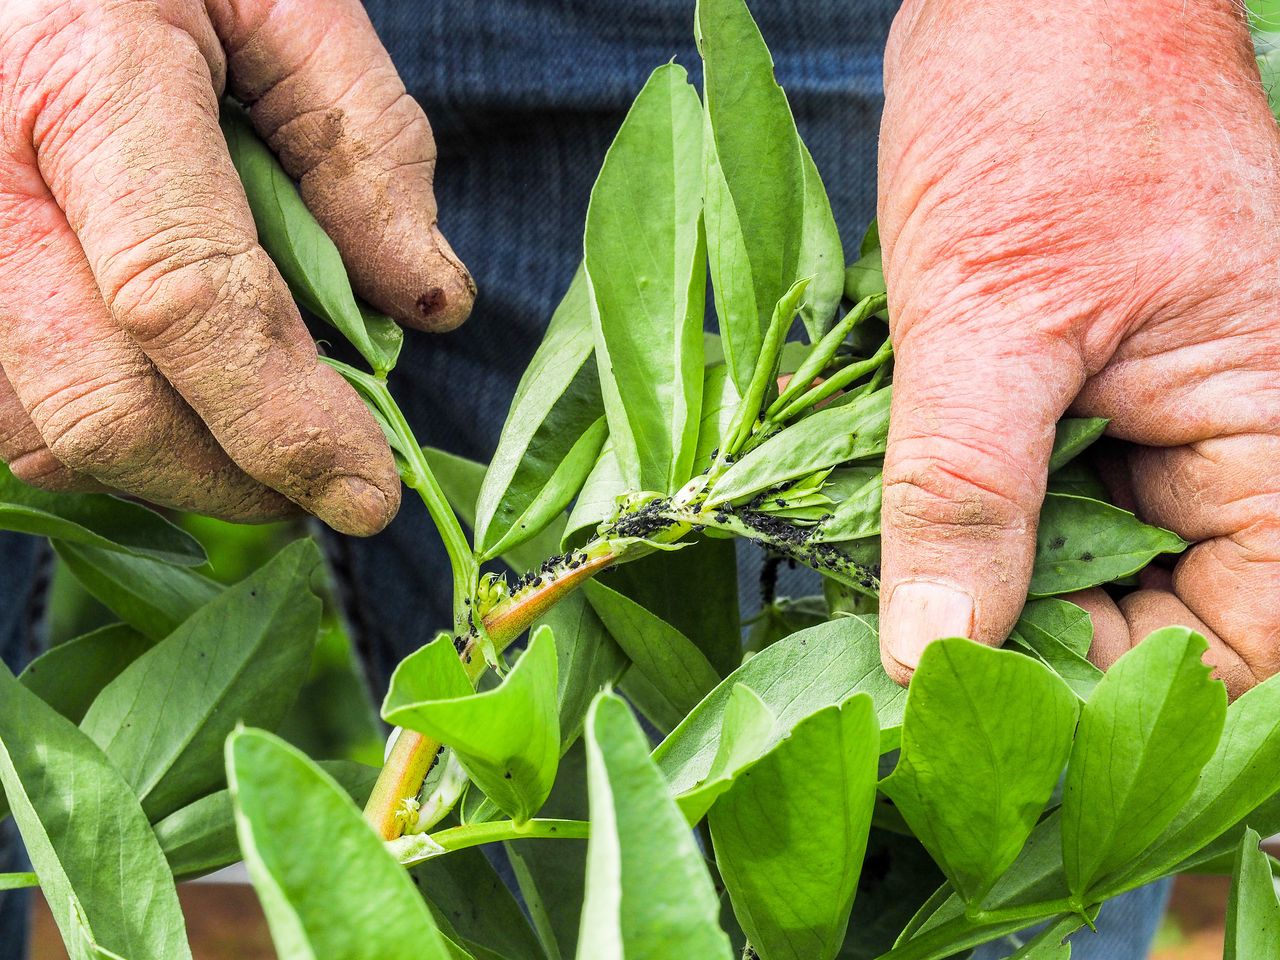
(172, 289)
(103, 430)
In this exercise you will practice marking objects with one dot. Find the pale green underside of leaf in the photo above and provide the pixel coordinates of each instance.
(331, 893)
(85, 833)
(648, 894)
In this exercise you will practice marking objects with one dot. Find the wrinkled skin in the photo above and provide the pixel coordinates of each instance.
(147, 342)
(1080, 212)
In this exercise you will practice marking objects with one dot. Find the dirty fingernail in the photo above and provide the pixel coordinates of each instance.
(921, 611)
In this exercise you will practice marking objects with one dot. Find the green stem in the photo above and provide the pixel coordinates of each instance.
(1031, 912)
(419, 477)
(417, 849)
(835, 383)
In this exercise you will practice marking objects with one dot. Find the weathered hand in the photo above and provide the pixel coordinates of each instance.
(1080, 210)
(147, 342)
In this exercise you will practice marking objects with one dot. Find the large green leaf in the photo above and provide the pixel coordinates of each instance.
(467, 895)
(151, 596)
(790, 858)
(1242, 775)
(646, 267)
(669, 660)
(201, 837)
(795, 677)
(327, 885)
(1253, 914)
(69, 676)
(1150, 727)
(755, 205)
(587, 658)
(821, 254)
(649, 896)
(850, 431)
(695, 589)
(89, 840)
(552, 434)
(746, 735)
(94, 519)
(984, 740)
(1081, 543)
(299, 247)
(1059, 634)
(241, 658)
(507, 739)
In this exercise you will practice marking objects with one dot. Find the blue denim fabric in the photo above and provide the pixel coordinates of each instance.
(524, 97)
(18, 562)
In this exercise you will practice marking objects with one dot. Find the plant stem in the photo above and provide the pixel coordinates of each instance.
(475, 834)
(413, 753)
(1031, 912)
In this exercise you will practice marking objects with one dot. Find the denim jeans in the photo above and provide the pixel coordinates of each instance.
(524, 97)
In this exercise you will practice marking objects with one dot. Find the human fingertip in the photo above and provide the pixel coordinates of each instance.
(357, 506)
(919, 612)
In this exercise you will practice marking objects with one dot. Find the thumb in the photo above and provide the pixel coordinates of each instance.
(964, 477)
(323, 92)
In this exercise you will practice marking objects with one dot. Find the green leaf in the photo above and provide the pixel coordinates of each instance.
(95, 519)
(791, 858)
(1241, 776)
(1253, 914)
(984, 740)
(1059, 634)
(552, 435)
(795, 677)
(1071, 438)
(695, 589)
(587, 661)
(151, 596)
(865, 277)
(745, 736)
(821, 254)
(84, 831)
(552, 876)
(1081, 543)
(299, 247)
(507, 739)
(598, 499)
(329, 891)
(755, 205)
(649, 896)
(821, 440)
(720, 402)
(667, 658)
(467, 893)
(856, 515)
(201, 837)
(646, 267)
(1145, 734)
(241, 658)
(70, 675)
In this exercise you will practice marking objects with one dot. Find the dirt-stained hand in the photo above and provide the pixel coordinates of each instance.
(1080, 211)
(147, 343)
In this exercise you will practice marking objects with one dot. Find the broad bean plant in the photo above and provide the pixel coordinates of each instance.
(663, 780)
